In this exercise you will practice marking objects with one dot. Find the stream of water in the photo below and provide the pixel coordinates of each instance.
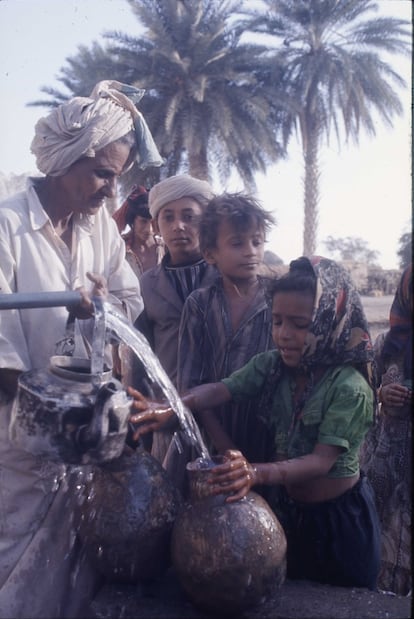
(121, 328)
(98, 341)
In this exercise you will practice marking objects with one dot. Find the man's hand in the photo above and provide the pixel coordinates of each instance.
(86, 307)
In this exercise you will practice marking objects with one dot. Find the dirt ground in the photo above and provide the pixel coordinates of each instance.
(294, 600)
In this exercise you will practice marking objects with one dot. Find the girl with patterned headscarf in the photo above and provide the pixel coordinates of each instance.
(318, 401)
(387, 451)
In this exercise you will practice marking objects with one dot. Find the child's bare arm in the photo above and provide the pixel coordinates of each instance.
(298, 470)
(237, 475)
(151, 416)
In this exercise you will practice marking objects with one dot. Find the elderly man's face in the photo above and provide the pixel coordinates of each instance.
(92, 179)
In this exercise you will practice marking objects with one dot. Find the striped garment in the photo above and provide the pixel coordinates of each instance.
(209, 350)
(185, 279)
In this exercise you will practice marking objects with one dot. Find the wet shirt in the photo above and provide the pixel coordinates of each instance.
(339, 411)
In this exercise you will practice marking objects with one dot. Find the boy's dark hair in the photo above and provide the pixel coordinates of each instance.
(300, 278)
(240, 209)
(137, 206)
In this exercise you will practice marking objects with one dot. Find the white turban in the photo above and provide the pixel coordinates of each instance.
(176, 187)
(84, 125)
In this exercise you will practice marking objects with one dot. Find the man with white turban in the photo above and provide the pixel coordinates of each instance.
(57, 236)
(176, 205)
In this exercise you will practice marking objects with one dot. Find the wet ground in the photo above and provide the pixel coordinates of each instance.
(294, 600)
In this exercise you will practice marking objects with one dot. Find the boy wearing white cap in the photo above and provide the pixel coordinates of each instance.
(176, 205)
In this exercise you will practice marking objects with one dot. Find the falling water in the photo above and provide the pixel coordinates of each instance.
(123, 330)
(98, 341)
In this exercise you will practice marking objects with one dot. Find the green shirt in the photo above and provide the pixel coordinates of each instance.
(339, 411)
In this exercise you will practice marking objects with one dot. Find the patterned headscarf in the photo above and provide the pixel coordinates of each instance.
(339, 333)
(83, 125)
(399, 338)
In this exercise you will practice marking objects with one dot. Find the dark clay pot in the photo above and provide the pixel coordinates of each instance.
(65, 413)
(228, 556)
(126, 513)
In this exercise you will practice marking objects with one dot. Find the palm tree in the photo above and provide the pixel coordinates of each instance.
(334, 75)
(206, 101)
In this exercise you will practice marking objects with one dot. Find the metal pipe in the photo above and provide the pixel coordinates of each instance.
(25, 300)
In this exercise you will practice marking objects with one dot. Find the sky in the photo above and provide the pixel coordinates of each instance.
(365, 189)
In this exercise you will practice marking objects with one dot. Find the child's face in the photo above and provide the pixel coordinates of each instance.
(238, 255)
(142, 229)
(291, 318)
(178, 224)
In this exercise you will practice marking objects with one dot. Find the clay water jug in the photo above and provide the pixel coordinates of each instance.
(227, 556)
(125, 516)
(66, 413)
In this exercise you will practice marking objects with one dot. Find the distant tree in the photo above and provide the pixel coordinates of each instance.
(335, 76)
(351, 248)
(206, 101)
(405, 250)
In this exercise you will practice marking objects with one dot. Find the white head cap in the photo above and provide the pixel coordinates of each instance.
(176, 187)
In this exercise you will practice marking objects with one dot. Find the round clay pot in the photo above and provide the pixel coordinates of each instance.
(228, 556)
(126, 512)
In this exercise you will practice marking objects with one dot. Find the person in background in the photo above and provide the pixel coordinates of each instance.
(387, 451)
(317, 391)
(176, 205)
(144, 249)
(225, 324)
(58, 236)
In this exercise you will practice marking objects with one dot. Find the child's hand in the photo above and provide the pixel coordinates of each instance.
(235, 476)
(153, 416)
(394, 394)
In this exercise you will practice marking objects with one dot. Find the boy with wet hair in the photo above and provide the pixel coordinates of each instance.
(225, 324)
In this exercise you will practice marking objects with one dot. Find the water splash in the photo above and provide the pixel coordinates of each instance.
(98, 341)
(122, 329)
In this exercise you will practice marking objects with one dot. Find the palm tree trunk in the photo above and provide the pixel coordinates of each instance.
(198, 164)
(311, 192)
